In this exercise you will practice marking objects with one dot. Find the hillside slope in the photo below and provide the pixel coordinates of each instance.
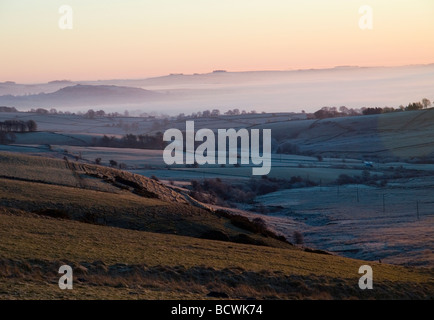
(392, 136)
(129, 237)
(82, 95)
(113, 263)
(111, 197)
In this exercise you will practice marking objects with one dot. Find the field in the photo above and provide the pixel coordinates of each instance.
(110, 197)
(114, 263)
(400, 232)
(129, 236)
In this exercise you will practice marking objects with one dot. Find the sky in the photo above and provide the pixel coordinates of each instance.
(140, 38)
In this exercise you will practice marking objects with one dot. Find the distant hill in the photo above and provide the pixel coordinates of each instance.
(61, 82)
(82, 95)
(271, 91)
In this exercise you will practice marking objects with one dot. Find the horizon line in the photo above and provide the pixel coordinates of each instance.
(222, 71)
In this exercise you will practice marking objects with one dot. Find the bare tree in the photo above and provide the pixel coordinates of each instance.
(32, 126)
(426, 103)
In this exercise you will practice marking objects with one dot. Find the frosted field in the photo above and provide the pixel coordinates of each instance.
(329, 218)
(332, 218)
(151, 162)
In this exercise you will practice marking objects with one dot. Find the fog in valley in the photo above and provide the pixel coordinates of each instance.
(270, 91)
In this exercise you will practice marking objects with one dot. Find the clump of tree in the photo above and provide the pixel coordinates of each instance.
(370, 111)
(364, 178)
(288, 148)
(216, 191)
(18, 126)
(424, 104)
(154, 142)
(298, 238)
(8, 109)
(40, 111)
(375, 180)
(43, 111)
(213, 114)
(414, 106)
(256, 225)
(333, 112)
(91, 114)
(236, 112)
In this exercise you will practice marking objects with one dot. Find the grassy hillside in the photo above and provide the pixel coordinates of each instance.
(113, 263)
(401, 135)
(128, 237)
(111, 197)
(386, 137)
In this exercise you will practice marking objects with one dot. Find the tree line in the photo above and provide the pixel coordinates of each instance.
(214, 113)
(132, 141)
(8, 109)
(333, 112)
(9, 127)
(18, 126)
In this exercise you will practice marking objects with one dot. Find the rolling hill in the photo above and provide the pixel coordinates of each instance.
(111, 197)
(271, 91)
(130, 237)
(82, 95)
(392, 136)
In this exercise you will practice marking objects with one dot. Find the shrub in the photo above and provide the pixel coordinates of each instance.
(298, 238)
(54, 213)
(215, 235)
(288, 148)
(221, 192)
(345, 179)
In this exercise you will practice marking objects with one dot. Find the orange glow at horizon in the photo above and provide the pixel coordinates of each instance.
(138, 39)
